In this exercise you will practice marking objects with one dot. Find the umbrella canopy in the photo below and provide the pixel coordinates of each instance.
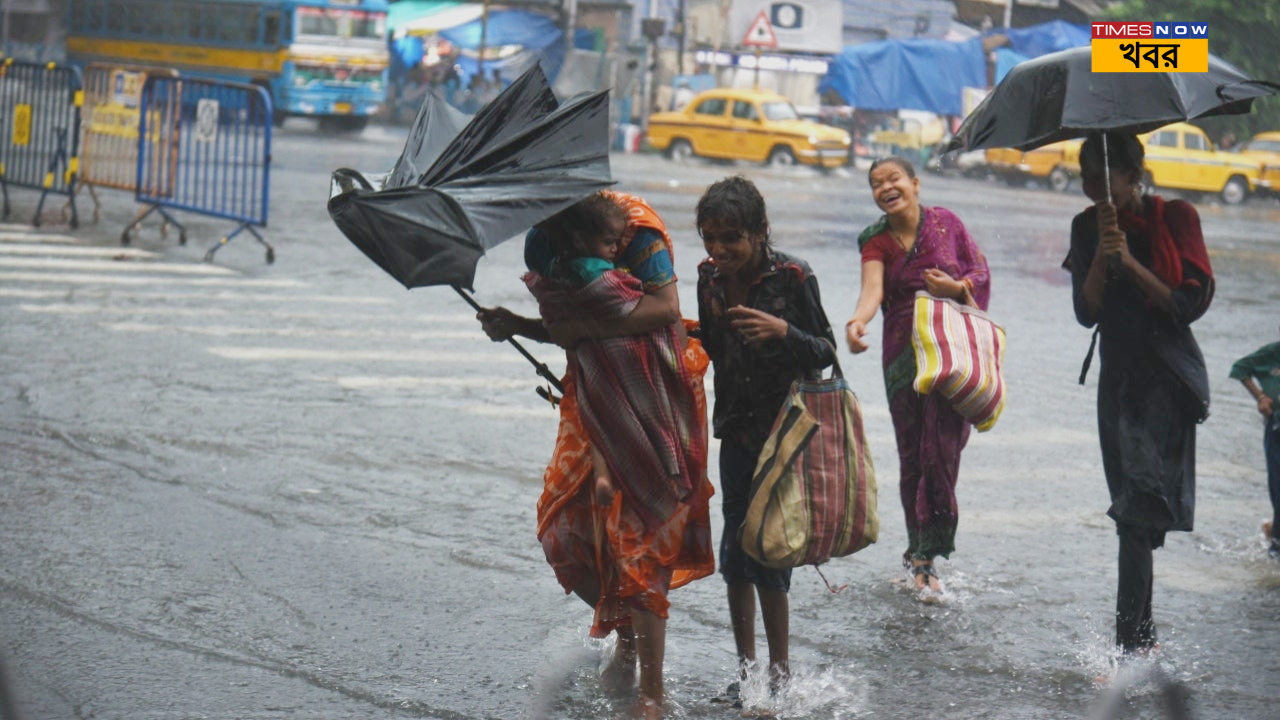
(463, 185)
(1058, 97)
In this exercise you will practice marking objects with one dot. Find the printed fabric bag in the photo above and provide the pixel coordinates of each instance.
(959, 354)
(813, 495)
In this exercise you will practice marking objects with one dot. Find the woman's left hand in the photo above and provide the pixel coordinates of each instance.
(940, 284)
(756, 326)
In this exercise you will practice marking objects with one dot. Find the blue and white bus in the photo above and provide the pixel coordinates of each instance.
(320, 58)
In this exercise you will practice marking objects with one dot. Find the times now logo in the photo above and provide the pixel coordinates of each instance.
(1151, 30)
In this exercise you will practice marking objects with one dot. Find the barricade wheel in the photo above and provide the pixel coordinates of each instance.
(271, 255)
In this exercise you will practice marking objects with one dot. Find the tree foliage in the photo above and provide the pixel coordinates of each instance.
(1245, 33)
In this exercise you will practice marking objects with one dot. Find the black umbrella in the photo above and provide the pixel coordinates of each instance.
(463, 185)
(1058, 97)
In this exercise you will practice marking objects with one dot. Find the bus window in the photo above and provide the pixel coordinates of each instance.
(367, 25)
(176, 24)
(140, 17)
(314, 21)
(80, 13)
(237, 25)
(271, 29)
(116, 13)
(200, 24)
(155, 20)
(341, 23)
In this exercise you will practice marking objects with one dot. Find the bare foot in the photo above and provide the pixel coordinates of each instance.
(925, 577)
(620, 674)
(648, 708)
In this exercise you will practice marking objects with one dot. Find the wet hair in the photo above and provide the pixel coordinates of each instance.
(572, 230)
(1124, 152)
(737, 200)
(898, 160)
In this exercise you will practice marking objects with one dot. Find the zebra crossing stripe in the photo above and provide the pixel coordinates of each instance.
(108, 279)
(76, 251)
(108, 266)
(354, 356)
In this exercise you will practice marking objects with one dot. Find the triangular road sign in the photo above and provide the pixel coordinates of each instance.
(760, 34)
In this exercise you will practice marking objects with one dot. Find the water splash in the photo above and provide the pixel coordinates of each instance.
(562, 663)
(832, 692)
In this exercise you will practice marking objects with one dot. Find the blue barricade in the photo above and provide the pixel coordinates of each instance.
(40, 117)
(205, 147)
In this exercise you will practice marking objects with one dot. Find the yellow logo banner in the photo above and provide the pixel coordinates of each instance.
(1149, 55)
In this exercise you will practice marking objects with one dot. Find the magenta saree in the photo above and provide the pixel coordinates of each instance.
(930, 434)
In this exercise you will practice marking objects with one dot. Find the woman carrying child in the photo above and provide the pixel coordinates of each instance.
(634, 404)
(762, 323)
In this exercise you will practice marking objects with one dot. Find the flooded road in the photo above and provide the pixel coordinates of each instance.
(239, 490)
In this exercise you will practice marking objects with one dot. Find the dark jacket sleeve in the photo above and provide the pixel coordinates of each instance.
(811, 341)
(1190, 299)
(708, 332)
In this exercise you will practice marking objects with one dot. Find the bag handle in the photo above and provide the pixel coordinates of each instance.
(836, 372)
(834, 590)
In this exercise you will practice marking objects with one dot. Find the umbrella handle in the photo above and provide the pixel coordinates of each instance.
(1113, 260)
(540, 368)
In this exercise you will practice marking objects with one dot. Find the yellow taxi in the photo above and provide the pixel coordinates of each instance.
(1265, 148)
(1181, 157)
(739, 124)
(1056, 163)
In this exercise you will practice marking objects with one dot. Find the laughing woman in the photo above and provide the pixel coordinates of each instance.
(914, 248)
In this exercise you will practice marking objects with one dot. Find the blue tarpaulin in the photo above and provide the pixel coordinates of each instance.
(917, 74)
(538, 36)
(1005, 60)
(1037, 40)
(1045, 38)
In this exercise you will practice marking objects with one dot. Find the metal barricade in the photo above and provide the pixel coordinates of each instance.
(40, 116)
(109, 149)
(205, 147)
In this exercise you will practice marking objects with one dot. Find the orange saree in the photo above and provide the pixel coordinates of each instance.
(636, 565)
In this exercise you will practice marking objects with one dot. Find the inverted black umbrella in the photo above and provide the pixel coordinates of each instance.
(463, 185)
(1058, 97)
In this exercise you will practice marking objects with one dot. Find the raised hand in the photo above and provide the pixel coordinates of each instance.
(756, 326)
(498, 323)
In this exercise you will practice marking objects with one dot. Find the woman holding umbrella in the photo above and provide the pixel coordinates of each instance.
(1140, 273)
(622, 551)
(913, 248)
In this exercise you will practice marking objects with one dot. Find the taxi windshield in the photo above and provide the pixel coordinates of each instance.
(780, 110)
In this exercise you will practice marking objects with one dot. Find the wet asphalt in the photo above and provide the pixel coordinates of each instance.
(297, 490)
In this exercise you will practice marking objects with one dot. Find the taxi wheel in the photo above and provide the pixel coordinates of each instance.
(1060, 179)
(781, 156)
(1235, 191)
(680, 150)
